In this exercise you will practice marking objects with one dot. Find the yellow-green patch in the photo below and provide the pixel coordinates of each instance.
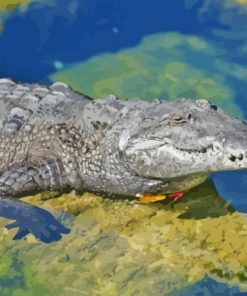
(167, 66)
(9, 5)
(117, 247)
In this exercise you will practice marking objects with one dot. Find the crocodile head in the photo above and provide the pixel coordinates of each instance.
(183, 137)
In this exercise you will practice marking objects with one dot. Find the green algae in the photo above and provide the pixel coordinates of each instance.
(9, 5)
(167, 66)
(119, 247)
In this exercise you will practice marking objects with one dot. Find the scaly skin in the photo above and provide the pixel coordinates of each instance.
(52, 138)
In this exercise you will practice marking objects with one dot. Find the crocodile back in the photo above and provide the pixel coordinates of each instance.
(35, 103)
(27, 111)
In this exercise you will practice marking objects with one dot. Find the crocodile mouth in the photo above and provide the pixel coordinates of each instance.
(202, 150)
(211, 150)
(159, 143)
(233, 157)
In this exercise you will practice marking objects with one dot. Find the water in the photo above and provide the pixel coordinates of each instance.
(53, 37)
(31, 42)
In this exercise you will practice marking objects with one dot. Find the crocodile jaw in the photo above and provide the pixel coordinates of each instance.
(162, 160)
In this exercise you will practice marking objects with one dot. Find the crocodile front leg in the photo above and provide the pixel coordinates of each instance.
(23, 178)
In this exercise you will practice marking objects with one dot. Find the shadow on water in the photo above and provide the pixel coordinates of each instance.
(199, 203)
(203, 202)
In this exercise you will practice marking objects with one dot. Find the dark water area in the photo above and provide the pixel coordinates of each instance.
(232, 187)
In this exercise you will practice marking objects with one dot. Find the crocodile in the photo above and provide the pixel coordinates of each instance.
(54, 138)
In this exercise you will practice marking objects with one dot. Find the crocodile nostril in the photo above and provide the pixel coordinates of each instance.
(232, 158)
(241, 157)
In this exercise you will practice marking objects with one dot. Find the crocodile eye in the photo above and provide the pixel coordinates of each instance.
(178, 119)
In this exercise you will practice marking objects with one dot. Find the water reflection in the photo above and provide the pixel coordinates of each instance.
(31, 219)
(203, 202)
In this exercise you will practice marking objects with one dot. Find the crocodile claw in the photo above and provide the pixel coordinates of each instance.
(176, 196)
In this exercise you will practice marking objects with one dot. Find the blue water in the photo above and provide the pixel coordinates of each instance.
(208, 287)
(31, 42)
(232, 187)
